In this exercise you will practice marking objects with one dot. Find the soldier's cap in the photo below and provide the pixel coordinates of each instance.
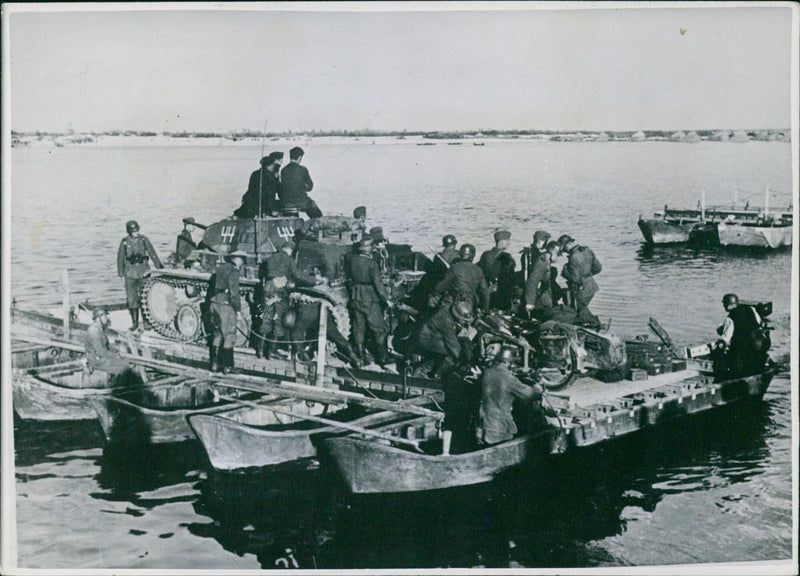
(541, 235)
(99, 311)
(360, 212)
(565, 239)
(266, 160)
(238, 254)
(502, 235)
(189, 220)
(376, 233)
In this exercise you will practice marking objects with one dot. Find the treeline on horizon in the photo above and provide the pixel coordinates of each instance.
(448, 135)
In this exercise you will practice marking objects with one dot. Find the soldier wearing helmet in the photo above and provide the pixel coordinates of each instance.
(498, 266)
(226, 309)
(463, 282)
(449, 253)
(531, 253)
(368, 296)
(744, 342)
(99, 354)
(439, 337)
(133, 254)
(499, 389)
(277, 275)
(579, 272)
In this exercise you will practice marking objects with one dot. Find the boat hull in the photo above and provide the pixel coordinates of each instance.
(373, 467)
(663, 232)
(125, 420)
(57, 392)
(755, 236)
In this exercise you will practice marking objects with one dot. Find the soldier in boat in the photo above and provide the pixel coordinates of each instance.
(499, 389)
(463, 282)
(296, 183)
(132, 264)
(226, 309)
(277, 275)
(498, 267)
(368, 298)
(99, 355)
(744, 341)
(263, 190)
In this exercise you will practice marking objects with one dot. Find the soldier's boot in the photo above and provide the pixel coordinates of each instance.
(360, 354)
(227, 362)
(135, 318)
(212, 357)
(351, 355)
(382, 357)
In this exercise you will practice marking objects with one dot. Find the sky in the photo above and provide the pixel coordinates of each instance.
(399, 67)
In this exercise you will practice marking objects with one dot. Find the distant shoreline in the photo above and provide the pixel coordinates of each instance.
(144, 138)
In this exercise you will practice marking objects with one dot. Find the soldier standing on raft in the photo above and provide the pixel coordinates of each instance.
(463, 282)
(296, 183)
(133, 266)
(278, 274)
(579, 272)
(226, 308)
(261, 198)
(368, 297)
(498, 267)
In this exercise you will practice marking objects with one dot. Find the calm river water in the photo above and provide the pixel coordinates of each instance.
(712, 489)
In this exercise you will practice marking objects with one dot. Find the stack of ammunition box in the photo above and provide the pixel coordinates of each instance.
(648, 355)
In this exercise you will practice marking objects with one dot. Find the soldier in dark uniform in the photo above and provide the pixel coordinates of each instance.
(99, 355)
(532, 252)
(500, 388)
(744, 343)
(538, 293)
(498, 267)
(296, 183)
(263, 189)
(277, 275)
(439, 337)
(133, 266)
(368, 296)
(579, 272)
(225, 308)
(442, 261)
(379, 252)
(463, 282)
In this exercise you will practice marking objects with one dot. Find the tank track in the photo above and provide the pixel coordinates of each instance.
(169, 329)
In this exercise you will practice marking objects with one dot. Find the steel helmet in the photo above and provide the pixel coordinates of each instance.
(449, 240)
(238, 254)
(466, 252)
(462, 311)
(99, 311)
(730, 300)
(132, 226)
(506, 354)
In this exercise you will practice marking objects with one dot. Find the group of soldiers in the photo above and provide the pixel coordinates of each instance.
(272, 190)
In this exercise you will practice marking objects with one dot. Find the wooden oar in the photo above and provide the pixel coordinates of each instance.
(352, 428)
(260, 385)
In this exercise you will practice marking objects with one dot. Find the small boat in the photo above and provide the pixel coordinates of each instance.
(379, 466)
(591, 413)
(60, 391)
(257, 435)
(720, 226)
(158, 414)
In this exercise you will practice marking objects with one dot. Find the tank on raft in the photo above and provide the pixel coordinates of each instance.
(174, 298)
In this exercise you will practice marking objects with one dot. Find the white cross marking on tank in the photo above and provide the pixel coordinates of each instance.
(227, 234)
(285, 232)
